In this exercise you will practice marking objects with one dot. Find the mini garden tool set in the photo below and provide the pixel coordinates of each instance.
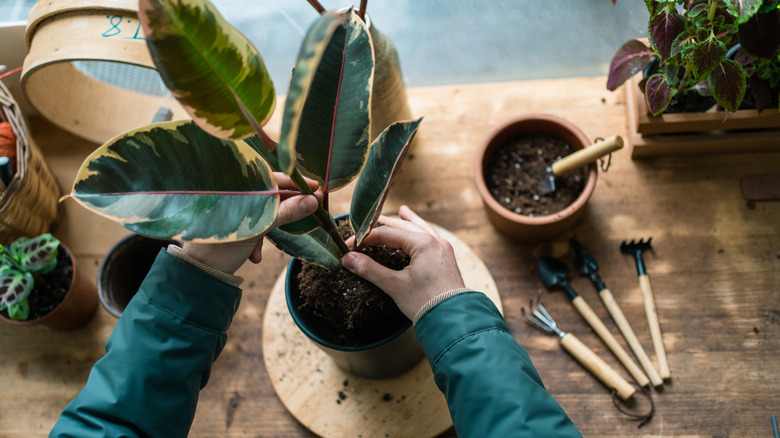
(576, 160)
(553, 273)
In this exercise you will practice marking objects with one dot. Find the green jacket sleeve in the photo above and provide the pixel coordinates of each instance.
(491, 386)
(157, 359)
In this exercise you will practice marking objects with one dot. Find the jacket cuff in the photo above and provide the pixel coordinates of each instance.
(436, 300)
(452, 319)
(233, 280)
(190, 294)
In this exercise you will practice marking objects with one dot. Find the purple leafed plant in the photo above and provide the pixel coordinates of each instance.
(709, 47)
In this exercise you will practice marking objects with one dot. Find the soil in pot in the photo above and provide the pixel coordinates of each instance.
(51, 288)
(349, 310)
(514, 171)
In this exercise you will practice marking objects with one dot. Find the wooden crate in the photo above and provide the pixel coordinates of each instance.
(697, 133)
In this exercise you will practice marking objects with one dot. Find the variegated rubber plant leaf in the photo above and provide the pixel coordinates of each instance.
(387, 154)
(326, 124)
(208, 65)
(15, 287)
(37, 255)
(315, 247)
(172, 180)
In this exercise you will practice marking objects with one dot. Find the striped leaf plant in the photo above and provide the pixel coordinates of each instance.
(212, 178)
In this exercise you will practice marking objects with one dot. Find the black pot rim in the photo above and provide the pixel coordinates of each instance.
(110, 256)
(316, 338)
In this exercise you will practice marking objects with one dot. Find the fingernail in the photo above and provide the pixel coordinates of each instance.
(349, 261)
(308, 204)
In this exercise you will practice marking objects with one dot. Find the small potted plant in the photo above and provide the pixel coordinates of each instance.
(689, 40)
(40, 284)
(691, 57)
(212, 179)
(512, 174)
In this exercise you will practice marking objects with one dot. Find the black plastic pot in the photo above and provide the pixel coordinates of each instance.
(382, 358)
(124, 268)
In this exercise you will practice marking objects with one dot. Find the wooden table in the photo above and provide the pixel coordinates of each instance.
(715, 268)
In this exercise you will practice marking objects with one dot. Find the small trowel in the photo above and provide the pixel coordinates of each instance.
(576, 160)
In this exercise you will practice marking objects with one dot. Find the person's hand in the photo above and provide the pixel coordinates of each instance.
(228, 257)
(432, 270)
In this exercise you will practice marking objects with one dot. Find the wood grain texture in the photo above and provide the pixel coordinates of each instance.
(715, 268)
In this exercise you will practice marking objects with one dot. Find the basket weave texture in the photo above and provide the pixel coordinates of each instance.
(28, 205)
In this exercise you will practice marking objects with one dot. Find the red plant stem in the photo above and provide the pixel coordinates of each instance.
(8, 73)
(267, 141)
(317, 6)
(321, 215)
(362, 11)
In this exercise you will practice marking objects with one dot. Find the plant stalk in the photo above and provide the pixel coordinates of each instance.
(317, 6)
(321, 215)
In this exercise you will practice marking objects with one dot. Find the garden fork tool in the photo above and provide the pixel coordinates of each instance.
(584, 355)
(587, 265)
(635, 248)
(553, 273)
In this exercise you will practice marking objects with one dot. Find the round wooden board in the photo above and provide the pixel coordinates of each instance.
(333, 403)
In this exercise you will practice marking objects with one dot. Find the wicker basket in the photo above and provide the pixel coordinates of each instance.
(28, 205)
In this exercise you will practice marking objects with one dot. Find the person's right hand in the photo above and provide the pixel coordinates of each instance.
(432, 270)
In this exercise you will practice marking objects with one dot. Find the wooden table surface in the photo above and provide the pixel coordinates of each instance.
(715, 268)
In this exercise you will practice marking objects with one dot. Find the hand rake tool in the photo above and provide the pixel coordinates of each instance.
(636, 248)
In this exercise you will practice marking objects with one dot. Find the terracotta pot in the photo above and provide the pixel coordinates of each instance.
(76, 308)
(124, 268)
(383, 358)
(524, 227)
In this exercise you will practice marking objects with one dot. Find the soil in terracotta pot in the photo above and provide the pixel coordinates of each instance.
(351, 311)
(50, 288)
(514, 171)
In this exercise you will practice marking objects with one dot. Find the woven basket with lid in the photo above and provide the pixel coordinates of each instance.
(28, 204)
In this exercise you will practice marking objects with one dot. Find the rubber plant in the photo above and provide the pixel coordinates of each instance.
(691, 39)
(211, 179)
(20, 263)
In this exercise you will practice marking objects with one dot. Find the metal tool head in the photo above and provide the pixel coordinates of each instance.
(583, 259)
(540, 318)
(552, 272)
(546, 181)
(634, 247)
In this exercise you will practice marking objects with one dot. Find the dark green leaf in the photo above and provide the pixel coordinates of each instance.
(663, 29)
(384, 161)
(761, 92)
(658, 93)
(208, 65)
(727, 83)
(310, 55)
(742, 10)
(333, 127)
(316, 247)
(630, 58)
(173, 181)
(706, 56)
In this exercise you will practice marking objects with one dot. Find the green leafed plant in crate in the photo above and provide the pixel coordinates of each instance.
(690, 41)
(212, 179)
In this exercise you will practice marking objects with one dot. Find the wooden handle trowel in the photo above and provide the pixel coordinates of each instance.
(576, 160)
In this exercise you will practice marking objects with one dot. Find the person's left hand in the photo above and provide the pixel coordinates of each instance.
(228, 257)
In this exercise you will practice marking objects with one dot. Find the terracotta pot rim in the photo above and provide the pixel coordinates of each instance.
(482, 156)
(71, 289)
